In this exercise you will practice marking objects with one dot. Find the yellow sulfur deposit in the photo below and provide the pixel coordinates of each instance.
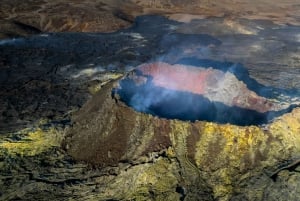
(228, 152)
(107, 77)
(158, 178)
(31, 143)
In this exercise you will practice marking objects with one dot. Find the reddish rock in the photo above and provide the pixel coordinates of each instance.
(214, 84)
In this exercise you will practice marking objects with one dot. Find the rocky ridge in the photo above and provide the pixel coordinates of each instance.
(36, 16)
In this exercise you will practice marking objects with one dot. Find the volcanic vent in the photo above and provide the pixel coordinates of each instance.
(195, 93)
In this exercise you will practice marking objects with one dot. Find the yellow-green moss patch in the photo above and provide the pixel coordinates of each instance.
(31, 143)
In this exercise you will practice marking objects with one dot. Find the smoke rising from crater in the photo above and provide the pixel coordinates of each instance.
(194, 93)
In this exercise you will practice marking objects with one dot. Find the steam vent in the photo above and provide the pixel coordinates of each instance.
(150, 100)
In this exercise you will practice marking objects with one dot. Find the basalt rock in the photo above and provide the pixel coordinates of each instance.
(263, 9)
(26, 18)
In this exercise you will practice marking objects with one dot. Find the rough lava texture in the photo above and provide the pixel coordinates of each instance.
(108, 145)
(31, 17)
(277, 11)
(49, 75)
(107, 132)
(26, 18)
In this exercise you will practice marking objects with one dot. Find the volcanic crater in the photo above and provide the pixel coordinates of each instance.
(190, 93)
